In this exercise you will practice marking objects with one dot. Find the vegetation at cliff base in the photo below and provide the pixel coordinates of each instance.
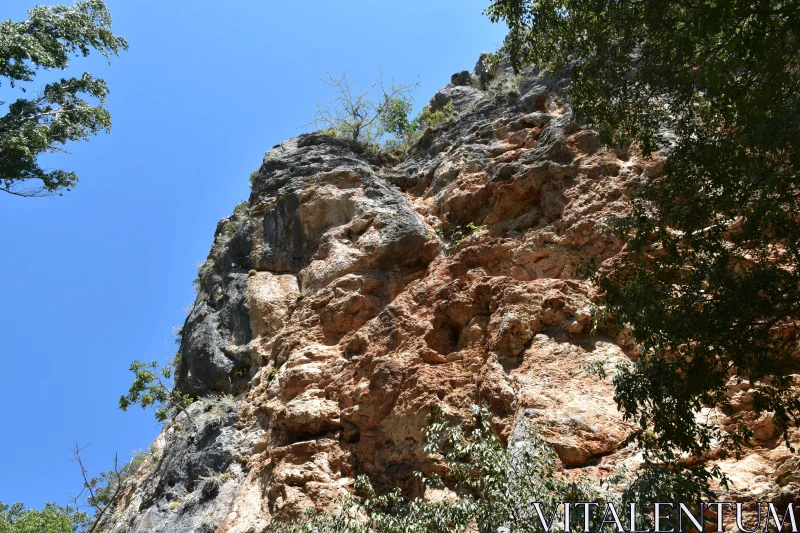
(493, 488)
(70, 109)
(709, 282)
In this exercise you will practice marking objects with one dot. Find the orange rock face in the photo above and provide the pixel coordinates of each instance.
(358, 295)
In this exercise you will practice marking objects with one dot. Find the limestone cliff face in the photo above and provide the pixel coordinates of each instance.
(349, 297)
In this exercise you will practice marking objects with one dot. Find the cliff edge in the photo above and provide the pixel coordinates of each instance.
(354, 293)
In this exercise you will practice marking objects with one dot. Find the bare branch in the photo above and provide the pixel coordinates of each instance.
(89, 486)
(29, 193)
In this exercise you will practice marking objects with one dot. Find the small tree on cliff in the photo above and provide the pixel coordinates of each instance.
(710, 277)
(60, 113)
(370, 116)
(149, 390)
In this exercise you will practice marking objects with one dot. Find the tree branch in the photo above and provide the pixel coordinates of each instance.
(89, 485)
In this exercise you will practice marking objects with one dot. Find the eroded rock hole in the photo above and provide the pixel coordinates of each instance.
(306, 433)
(444, 338)
(540, 103)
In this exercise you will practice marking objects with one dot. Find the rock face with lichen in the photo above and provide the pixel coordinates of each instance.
(356, 292)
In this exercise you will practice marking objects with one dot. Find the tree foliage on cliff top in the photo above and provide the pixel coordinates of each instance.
(60, 113)
(710, 277)
(375, 115)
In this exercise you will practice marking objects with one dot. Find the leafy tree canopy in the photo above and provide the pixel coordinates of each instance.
(47, 40)
(52, 519)
(710, 280)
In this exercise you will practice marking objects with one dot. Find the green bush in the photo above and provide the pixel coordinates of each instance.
(456, 236)
(434, 119)
(424, 120)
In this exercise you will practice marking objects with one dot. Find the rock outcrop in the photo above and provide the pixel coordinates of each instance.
(355, 293)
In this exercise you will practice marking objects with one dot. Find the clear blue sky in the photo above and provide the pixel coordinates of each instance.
(97, 278)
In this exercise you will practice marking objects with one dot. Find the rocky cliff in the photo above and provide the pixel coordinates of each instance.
(355, 292)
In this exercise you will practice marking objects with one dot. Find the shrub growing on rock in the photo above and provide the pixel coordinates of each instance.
(433, 119)
(150, 390)
(373, 116)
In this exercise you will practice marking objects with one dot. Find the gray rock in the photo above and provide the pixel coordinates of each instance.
(184, 489)
(293, 235)
(464, 98)
(292, 229)
(209, 358)
(461, 78)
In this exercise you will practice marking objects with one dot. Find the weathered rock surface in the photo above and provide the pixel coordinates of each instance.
(354, 294)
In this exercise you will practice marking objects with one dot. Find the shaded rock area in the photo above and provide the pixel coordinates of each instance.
(354, 293)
